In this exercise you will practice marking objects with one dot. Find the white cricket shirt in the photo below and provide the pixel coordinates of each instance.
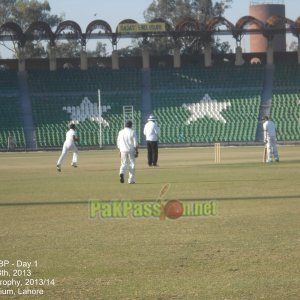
(127, 140)
(151, 131)
(70, 136)
(269, 129)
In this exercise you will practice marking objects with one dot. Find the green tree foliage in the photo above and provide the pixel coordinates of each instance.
(100, 50)
(133, 50)
(293, 46)
(25, 12)
(6, 10)
(70, 49)
(174, 10)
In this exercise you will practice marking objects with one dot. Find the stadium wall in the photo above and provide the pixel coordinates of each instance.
(286, 58)
(155, 61)
(9, 64)
(37, 64)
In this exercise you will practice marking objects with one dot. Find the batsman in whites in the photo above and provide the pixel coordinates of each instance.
(270, 139)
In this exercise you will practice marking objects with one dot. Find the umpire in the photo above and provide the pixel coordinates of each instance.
(151, 131)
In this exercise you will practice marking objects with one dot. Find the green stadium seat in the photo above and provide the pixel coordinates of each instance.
(55, 95)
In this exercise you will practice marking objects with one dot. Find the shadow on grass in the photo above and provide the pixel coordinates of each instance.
(216, 181)
(278, 197)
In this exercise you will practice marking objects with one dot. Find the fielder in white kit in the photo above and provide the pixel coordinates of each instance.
(270, 139)
(69, 145)
(127, 144)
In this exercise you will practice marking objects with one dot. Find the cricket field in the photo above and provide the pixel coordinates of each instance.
(54, 245)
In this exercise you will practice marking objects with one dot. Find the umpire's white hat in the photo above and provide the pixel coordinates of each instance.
(151, 118)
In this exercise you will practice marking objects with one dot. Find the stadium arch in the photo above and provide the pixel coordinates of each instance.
(186, 28)
(245, 21)
(42, 27)
(103, 28)
(16, 29)
(118, 35)
(76, 32)
(239, 32)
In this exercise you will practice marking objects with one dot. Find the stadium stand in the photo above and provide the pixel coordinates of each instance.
(285, 109)
(240, 117)
(287, 76)
(185, 101)
(52, 114)
(193, 104)
(71, 95)
(218, 76)
(75, 80)
(10, 121)
(8, 82)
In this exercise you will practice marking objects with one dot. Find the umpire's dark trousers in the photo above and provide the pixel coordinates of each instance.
(152, 148)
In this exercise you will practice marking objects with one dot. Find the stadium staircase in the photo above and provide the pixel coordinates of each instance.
(146, 104)
(26, 111)
(266, 100)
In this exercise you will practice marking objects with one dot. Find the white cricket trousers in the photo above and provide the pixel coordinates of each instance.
(66, 148)
(128, 159)
(272, 149)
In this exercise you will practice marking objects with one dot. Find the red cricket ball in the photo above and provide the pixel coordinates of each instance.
(173, 209)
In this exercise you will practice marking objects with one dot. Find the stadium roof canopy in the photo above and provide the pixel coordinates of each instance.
(186, 27)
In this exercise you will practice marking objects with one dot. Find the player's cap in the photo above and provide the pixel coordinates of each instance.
(128, 124)
(151, 118)
(265, 118)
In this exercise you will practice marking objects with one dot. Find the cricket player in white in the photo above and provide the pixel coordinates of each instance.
(151, 132)
(270, 139)
(127, 144)
(69, 145)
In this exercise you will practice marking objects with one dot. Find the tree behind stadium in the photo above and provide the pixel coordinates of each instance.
(24, 13)
(174, 10)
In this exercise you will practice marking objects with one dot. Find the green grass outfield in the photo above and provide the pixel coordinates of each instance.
(249, 250)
